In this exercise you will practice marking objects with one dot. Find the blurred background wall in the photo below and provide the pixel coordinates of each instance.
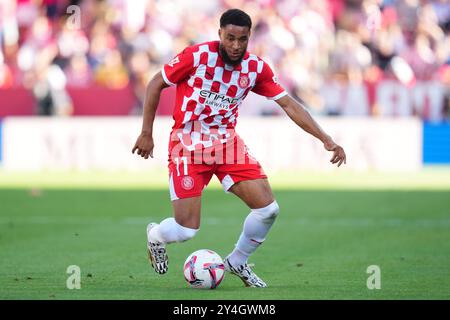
(376, 71)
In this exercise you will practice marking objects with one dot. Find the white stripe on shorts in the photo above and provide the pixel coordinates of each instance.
(227, 183)
(173, 195)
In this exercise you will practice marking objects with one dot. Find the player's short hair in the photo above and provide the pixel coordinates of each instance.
(235, 17)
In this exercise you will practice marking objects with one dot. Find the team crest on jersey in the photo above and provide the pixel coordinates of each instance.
(243, 81)
(187, 183)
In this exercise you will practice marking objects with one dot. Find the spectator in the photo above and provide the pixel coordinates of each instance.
(112, 72)
(78, 73)
(6, 77)
(315, 43)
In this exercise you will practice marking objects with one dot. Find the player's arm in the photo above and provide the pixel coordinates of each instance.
(299, 114)
(144, 143)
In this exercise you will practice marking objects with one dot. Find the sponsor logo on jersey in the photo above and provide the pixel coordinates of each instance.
(218, 100)
(187, 183)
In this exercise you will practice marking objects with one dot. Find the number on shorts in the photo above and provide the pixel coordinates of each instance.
(185, 167)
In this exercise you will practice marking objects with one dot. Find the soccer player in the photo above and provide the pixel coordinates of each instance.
(211, 80)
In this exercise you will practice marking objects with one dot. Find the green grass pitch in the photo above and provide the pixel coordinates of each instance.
(330, 229)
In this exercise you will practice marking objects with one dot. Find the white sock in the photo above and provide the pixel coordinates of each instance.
(169, 231)
(256, 227)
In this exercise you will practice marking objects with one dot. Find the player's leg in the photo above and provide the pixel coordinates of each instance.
(186, 187)
(250, 184)
(255, 193)
(258, 195)
(181, 227)
(244, 177)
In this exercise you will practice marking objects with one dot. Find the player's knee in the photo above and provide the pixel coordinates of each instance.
(268, 213)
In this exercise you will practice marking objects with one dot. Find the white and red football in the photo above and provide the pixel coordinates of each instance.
(204, 269)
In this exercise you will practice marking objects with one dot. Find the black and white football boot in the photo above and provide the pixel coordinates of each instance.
(246, 274)
(157, 252)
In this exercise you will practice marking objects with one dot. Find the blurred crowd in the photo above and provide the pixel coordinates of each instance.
(48, 45)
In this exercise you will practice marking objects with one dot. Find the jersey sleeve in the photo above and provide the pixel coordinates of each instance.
(267, 84)
(179, 68)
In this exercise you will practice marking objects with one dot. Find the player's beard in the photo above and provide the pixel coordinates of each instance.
(226, 58)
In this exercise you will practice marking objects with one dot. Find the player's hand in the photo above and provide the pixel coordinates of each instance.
(144, 145)
(339, 156)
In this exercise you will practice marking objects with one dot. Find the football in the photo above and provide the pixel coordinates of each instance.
(204, 269)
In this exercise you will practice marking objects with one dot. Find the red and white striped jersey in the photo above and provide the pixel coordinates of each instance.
(209, 92)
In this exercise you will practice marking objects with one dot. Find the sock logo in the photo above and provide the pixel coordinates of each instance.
(187, 183)
(257, 242)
